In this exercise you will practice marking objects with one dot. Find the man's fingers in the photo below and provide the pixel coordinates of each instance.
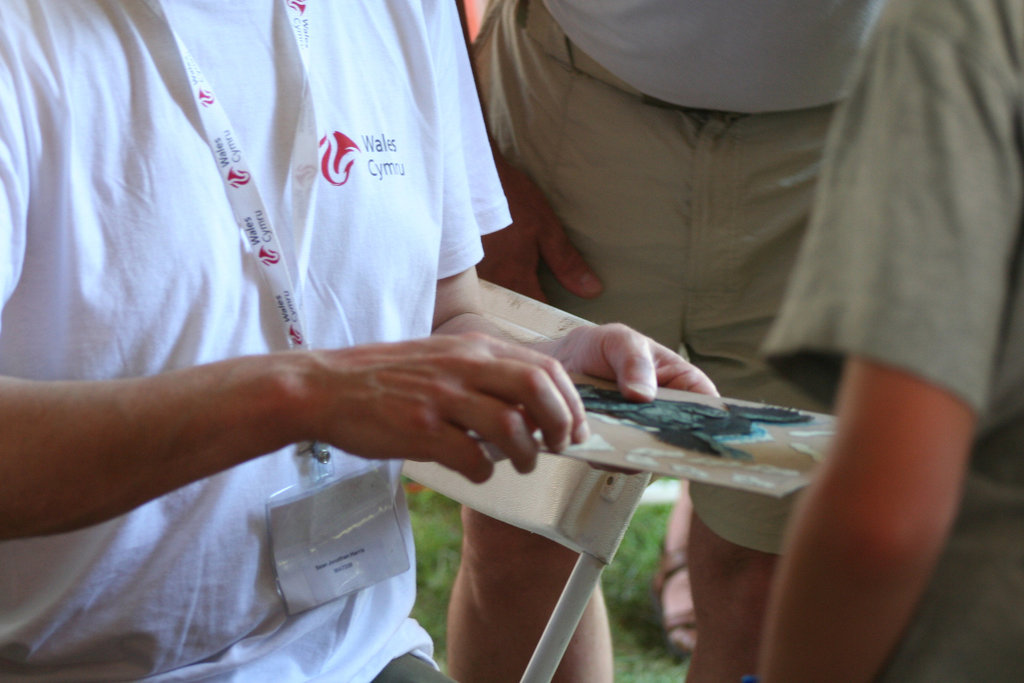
(675, 372)
(687, 377)
(567, 264)
(510, 259)
(459, 451)
(539, 392)
(630, 357)
(484, 389)
(580, 428)
(541, 385)
(504, 432)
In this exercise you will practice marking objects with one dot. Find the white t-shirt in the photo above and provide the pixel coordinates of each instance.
(732, 55)
(121, 258)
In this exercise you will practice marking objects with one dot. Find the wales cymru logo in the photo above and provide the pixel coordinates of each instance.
(269, 257)
(297, 5)
(337, 152)
(238, 178)
(205, 97)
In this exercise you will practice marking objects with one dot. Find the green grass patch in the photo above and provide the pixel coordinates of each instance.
(639, 651)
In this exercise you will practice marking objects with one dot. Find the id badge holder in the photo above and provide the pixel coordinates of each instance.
(334, 536)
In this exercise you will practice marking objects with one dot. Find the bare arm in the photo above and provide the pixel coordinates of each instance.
(76, 453)
(870, 529)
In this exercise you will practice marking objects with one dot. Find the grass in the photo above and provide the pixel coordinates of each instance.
(640, 655)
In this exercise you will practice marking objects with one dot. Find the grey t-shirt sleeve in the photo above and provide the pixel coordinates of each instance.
(915, 226)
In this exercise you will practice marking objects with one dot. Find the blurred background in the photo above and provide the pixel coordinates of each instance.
(639, 648)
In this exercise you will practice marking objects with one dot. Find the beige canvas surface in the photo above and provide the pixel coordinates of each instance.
(780, 456)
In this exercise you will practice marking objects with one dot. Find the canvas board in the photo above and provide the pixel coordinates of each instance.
(773, 458)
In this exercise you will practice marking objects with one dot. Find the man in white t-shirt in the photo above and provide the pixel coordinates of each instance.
(236, 289)
(675, 146)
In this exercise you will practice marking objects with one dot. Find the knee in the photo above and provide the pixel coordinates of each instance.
(505, 553)
(716, 560)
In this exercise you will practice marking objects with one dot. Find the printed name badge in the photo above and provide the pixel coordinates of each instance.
(334, 539)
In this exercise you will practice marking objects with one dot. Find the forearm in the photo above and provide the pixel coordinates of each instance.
(865, 539)
(460, 309)
(839, 612)
(77, 453)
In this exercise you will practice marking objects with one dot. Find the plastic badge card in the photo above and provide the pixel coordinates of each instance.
(334, 539)
(738, 444)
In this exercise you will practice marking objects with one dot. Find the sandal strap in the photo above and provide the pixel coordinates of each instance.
(670, 563)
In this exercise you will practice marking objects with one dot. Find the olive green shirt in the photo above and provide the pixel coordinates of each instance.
(913, 259)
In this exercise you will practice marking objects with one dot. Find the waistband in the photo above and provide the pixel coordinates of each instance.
(533, 17)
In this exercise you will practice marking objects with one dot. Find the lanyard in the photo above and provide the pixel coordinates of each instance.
(241, 188)
(243, 193)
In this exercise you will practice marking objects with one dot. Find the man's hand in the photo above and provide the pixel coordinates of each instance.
(513, 255)
(436, 399)
(637, 363)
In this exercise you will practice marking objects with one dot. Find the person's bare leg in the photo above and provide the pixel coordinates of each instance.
(730, 591)
(671, 584)
(507, 585)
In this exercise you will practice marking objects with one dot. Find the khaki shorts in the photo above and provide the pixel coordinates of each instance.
(692, 218)
(410, 669)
